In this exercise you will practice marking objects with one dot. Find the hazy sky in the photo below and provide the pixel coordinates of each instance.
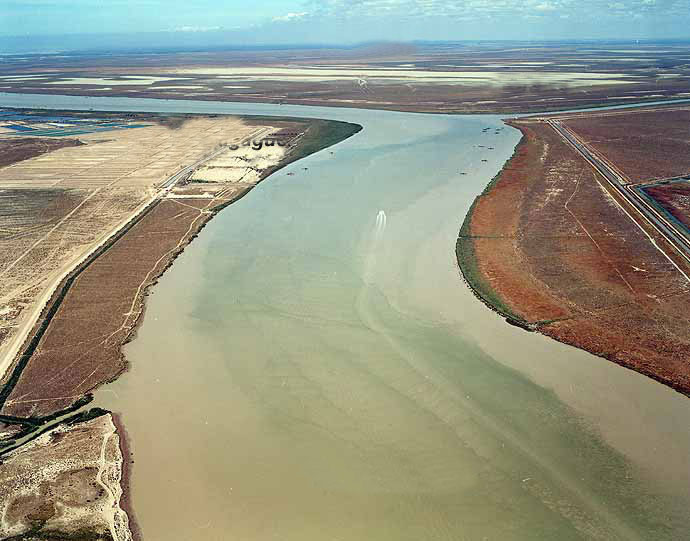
(347, 21)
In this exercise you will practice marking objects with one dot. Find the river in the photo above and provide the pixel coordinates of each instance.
(314, 368)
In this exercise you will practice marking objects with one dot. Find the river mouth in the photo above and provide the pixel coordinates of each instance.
(314, 367)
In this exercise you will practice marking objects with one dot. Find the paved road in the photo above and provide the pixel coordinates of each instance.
(646, 212)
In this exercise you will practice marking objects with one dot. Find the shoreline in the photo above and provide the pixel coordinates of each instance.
(126, 443)
(600, 104)
(483, 289)
(323, 134)
(322, 168)
(51, 302)
(467, 261)
(126, 503)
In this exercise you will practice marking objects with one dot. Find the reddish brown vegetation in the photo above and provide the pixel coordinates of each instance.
(81, 348)
(675, 198)
(558, 252)
(18, 149)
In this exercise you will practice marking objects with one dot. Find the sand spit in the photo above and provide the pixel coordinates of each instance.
(66, 482)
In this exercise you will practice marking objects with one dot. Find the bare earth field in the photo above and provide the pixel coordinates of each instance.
(16, 150)
(551, 249)
(450, 78)
(66, 202)
(66, 484)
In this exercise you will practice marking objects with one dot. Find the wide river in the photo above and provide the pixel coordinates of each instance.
(314, 368)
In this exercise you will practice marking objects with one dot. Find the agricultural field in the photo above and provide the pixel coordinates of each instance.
(62, 204)
(76, 342)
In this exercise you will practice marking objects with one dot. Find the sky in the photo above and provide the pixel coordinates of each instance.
(219, 22)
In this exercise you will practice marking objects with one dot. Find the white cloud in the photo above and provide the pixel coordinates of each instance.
(197, 29)
(483, 9)
(289, 17)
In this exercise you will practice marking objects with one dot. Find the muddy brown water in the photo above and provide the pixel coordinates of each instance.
(313, 367)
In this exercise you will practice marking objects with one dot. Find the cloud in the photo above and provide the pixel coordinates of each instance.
(290, 17)
(197, 29)
(480, 9)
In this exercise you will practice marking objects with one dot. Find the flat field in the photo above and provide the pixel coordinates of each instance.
(62, 204)
(16, 150)
(462, 77)
(643, 145)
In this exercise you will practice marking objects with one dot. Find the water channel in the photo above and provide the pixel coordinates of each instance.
(314, 368)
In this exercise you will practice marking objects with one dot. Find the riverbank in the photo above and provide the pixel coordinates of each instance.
(330, 350)
(127, 453)
(549, 249)
(496, 106)
(465, 252)
(96, 308)
(76, 346)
